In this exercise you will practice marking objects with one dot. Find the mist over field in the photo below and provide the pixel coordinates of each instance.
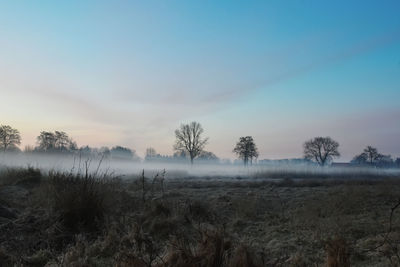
(127, 169)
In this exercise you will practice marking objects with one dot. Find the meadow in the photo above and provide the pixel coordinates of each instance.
(269, 217)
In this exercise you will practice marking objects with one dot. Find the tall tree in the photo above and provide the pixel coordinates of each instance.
(371, 154)
(46, 141)
(189, 139)
(321, 150)
(246, 149)
(57, 141)
(9, 138)
(62, 140)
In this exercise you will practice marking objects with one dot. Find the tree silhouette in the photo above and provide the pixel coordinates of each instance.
(397, 162)
(246, 149)
(371, 154)
(359, 159)
(321, 150)
(9, 138)
(189, 139)
(119, 152)
(55, 142)
(208, 156)
(150, 153)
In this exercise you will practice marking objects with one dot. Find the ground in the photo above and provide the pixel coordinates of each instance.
(63, 220)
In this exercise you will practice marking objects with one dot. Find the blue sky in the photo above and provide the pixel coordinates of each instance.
(129, 72)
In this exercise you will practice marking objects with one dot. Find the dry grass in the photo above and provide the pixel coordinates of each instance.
(29, 176)
(337, 253)
(315, 172)
(81, 202)
(86, 220)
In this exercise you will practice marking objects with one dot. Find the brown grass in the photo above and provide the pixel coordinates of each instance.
(337, 253)
(86, 220)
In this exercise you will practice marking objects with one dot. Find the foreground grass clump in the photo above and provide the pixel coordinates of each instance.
(81, 202)
(338, 254)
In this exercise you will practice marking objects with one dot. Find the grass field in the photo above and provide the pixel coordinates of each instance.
(87, 219)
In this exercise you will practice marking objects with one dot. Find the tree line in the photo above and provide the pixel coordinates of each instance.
(189, 145)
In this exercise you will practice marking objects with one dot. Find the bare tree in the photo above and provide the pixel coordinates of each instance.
(189, 139)
(371, 154)
(246, 149)
(62, 140)
(321, 150)
(57, 141)
(9, 137)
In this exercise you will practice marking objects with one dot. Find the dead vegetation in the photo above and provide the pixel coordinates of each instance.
(337, 253)
(65, 219)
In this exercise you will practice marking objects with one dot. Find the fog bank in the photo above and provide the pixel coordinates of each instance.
(128, 169)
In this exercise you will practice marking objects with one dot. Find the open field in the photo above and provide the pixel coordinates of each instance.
(64, 219)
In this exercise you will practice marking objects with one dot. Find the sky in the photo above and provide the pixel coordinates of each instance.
(130, 72)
